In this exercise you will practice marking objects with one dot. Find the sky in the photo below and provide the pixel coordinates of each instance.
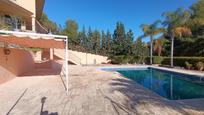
(103, 14)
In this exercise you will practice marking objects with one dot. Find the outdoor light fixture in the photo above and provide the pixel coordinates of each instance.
(7, 51)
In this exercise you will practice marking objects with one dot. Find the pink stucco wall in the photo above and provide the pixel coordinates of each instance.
(15, 64)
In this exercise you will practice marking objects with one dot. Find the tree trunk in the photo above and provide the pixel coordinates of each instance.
(151, 48)
(172, 50)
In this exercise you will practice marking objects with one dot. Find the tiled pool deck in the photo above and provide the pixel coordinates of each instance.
(91, 92)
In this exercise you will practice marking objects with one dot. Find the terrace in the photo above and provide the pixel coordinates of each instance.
(91, 91)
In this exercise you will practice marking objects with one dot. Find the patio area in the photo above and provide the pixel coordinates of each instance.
(91, 92)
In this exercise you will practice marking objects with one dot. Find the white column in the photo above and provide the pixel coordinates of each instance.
(33, 23)
(51, 53)
(86, 58)
(66, 64)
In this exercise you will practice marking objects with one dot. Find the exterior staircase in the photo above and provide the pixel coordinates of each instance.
(73, 59)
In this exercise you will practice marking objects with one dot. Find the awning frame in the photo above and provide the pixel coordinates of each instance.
(65, 38)
(33, 34)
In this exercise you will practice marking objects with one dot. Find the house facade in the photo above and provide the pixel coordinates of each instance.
(20, 34)
(22, 15)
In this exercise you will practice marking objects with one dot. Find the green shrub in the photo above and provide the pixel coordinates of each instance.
(126, 59)
(137, 59)
(122, 59)
(147, 60)
(157, 59)
(199, 66)
(115, 59)
(188, 65)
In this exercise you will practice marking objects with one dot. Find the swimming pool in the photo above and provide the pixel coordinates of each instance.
(171, 85)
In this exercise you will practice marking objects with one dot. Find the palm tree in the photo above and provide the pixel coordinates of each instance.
(176, 23)
(158, 46)
(151, 30)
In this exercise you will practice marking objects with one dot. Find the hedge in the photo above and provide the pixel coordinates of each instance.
(155, 59)
(122, 59)
(180, 61)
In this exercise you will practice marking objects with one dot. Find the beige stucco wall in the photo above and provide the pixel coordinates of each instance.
(81, 57)
(15, 64)
(90, 59)
(27, 4)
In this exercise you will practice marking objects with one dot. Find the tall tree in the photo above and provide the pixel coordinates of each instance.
(197, 17)
(151, 30)
(129, 41)
(119, 40)
(96, 41)
(83, 37)
(175, 21)
(49, 25)
(145, 50)
(103, 43)
(197, 10)
(108, 41)
(158, 47)
(89, 44)
(138, 47)
(71, 30)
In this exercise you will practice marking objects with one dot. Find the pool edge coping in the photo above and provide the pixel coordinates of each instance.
(175, 70)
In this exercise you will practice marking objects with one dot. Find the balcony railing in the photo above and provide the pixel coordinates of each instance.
(40, 28)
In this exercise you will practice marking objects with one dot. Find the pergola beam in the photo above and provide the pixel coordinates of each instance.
(33, 34)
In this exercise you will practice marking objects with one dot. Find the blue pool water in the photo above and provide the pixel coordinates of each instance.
(173, 86)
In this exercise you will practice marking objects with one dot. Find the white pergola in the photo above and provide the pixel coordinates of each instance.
(5, 36)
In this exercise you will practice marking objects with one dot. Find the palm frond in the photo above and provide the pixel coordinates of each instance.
(159, 30)
(143, 36)
(145, 28)
(176, 18)
(182, 31)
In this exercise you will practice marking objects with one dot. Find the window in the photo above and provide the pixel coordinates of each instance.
(8, 20)
(13, 22)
